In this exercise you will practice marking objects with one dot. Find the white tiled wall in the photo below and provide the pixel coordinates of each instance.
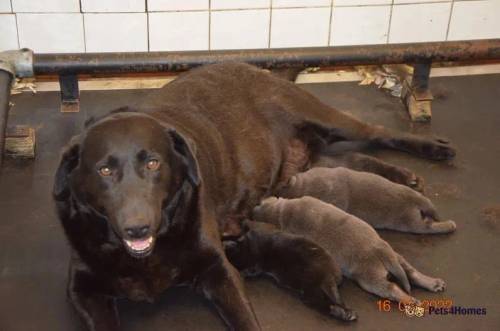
(475, 20)
(176, 31)
(116, 32)
(5, 6)
(142, 25)
(51, 32)
(300, 27)
(164, 5)
(45, 6)
(360, 25)
(8, 37)
(113, 6)
(239, 29)
(419, 22)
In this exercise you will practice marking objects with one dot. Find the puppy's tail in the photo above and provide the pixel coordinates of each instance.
(391, 263)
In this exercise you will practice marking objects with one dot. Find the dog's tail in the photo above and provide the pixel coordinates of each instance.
(390, 260)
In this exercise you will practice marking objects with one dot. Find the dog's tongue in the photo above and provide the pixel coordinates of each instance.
(140, 245)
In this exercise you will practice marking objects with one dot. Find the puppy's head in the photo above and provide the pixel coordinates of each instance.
(267, 211)
(127, 168)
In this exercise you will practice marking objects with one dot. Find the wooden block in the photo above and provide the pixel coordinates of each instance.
(20, 142)
(417, 104)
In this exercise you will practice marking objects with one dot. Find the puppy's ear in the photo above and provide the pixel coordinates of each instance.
(68, 163)
(186, 154)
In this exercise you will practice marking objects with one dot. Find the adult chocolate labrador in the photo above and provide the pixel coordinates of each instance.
(144, 195)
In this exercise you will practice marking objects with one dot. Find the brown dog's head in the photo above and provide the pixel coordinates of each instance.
(128, 169)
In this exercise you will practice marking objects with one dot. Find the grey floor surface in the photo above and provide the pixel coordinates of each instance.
(34, 253)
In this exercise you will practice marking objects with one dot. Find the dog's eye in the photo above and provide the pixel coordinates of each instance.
(105, 171)
(153, 164)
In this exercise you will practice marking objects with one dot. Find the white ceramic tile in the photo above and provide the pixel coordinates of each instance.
(5, 6)
(113, 6)
(362, 2)
(418, 1)
(39, 6)
(419, 23)
(177, 31)
(484, 23)
(159, 5)
(239, 29)
(300, 27)
(301, 3)
(240, 4)
(8, 37)
(116, 32)
(360, 25)
(51, 33)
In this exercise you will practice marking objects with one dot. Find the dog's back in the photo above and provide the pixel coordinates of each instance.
(325, 224)
(370, 197)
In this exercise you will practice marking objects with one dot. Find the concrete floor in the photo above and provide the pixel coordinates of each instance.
(34, 253)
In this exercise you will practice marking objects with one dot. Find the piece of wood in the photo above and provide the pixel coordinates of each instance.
(20, 142)
(418, 103)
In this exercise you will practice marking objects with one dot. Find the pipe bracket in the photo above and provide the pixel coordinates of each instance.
(18, 62)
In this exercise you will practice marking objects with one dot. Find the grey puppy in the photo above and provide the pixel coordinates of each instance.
(294, 262)
(362, 255)
(374, 199)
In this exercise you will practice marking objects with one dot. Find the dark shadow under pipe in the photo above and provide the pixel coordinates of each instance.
(5, 84)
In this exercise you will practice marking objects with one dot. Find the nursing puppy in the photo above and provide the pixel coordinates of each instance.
(294, 262)
(374, 199)
(362, 255)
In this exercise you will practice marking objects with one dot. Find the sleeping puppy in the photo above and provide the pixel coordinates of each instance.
(294, 262)
(374, 199)
(362, 255)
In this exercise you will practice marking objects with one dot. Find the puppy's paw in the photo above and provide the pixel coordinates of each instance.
(344, 314)
(416, 182)
(438, 286)
(452, 226)
(406, 177)
(443, 226)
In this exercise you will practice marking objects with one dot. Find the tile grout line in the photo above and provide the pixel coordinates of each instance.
(209, 25)
(330, 24)
(17, 25)
(17, 31)
(390, 22)
(84, 34)
(147, 25)
(270, 23)
(83, 25)
(449, 20)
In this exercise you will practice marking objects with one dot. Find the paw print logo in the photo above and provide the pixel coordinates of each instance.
(411, 309)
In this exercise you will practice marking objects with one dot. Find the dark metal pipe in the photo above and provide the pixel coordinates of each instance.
(5, 84)
(93, 63)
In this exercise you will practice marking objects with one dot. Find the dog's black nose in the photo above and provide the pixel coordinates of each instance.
(137, 231)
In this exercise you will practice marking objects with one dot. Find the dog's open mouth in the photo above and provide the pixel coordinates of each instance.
(141, 247)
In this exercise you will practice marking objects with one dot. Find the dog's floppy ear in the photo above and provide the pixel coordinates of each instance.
(182, 148)
(68, 162)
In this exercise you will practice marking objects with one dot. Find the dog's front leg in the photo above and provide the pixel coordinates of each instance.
(433, 148)
(362, 162)
(92, 301)
(222, 285)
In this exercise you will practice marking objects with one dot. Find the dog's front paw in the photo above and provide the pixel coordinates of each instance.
(437, 149)
(439, 285)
